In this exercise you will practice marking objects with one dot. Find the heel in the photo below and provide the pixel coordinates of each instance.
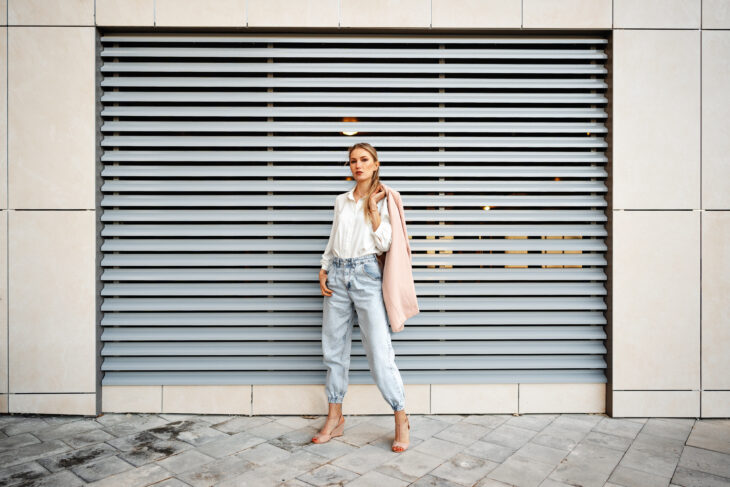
(339, 430)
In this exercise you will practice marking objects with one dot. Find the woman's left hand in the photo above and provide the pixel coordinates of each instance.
(378, 195)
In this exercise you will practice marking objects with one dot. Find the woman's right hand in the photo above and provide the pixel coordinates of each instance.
(322, 283)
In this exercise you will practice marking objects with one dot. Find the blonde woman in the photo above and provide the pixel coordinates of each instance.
(351, 283)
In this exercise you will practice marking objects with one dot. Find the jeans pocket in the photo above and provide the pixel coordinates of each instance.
(371, 269)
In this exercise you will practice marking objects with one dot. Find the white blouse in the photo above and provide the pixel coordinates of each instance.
(351, 235)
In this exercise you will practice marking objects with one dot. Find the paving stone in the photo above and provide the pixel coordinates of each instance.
(139, 477)
(88, 438)
(212, 419)
(173, 482)
(707, 461)
(364, 459)
(629, 477)
(64, 478)
(619, 443)
(296, 422)
(489, 451)
(463, 433)
(490, 421)
(429, 480)
(587, 465)
(408, 466)
(75, 458)
(217, 471)
(264, 453)
(521, 471)
(100, 469)
(328, 475)
(172, 417)
(136, 423)
(240, 423)
(330, 450)
(439, 448)
(269, 430)
(710, 436)
(361, 434)
(184, 461)
(269, 475)
(154, 450)
(60, 419)
(55, 432)
(657, 444)
(667, 429)
(448, 418)
(579, 421)
(230, 445)
(687, 477)
(548, 482)
(560, 437)
(618, 427)
(27, 425)
(542, 453)
(294, 440)
(21, 473)
(17, 441)
(509, 436)
(532, 421)
(378, 479)
(295, 483)
(32, 452)
(195, 433)
(425, 427)
(464, 469)
(649, 462)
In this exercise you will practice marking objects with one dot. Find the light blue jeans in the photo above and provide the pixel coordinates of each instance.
(356, 285)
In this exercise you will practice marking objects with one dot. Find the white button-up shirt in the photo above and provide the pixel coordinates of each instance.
(351, 235)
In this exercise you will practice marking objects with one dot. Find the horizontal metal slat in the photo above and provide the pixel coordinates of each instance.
(294, 245)
(250, 333)
(458, 347)
(380, 127)
(315, 303)
(305, 274)
(350, 53)
(330, 111)
(415, 230)
(312, 289)
(407, 362)
(591, 376)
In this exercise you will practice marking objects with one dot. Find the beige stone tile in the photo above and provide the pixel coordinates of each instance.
(715, 116)
(3, 301)
(52, 301)
(3, 117)
(656, 300)
(50, 12)
(715, 299)
(131, 399)
(3, 12)
(51, 113)
(200, 13)
(125, 12)
(385, 13)
(562, 398)
(367, 399)
(464, 14)
(715, 404)
(656, 14)
(567, 14)
(292, 13)
(673, 404)
(656, 119)
(228, 399)
(288, 399)
(716, 14)
(473, 398)
(84, 404)
(4, 403)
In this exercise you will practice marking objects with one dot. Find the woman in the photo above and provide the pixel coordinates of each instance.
(360, 231)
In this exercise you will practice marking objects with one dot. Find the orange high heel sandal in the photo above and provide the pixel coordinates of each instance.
(337, 431)
(400, 446)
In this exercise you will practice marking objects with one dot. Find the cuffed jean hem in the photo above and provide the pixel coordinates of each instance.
(335, 399)
(398, 408)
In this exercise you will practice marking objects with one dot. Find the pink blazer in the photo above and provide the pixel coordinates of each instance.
(399, 291)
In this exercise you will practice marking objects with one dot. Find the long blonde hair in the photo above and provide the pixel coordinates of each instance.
(375, 181)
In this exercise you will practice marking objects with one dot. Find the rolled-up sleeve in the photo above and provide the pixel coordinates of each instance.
(328, 254)
(384, 233)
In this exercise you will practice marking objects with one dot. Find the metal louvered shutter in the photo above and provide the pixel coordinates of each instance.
(223, 155)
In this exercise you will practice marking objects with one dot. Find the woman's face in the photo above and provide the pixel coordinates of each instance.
(362, 165)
